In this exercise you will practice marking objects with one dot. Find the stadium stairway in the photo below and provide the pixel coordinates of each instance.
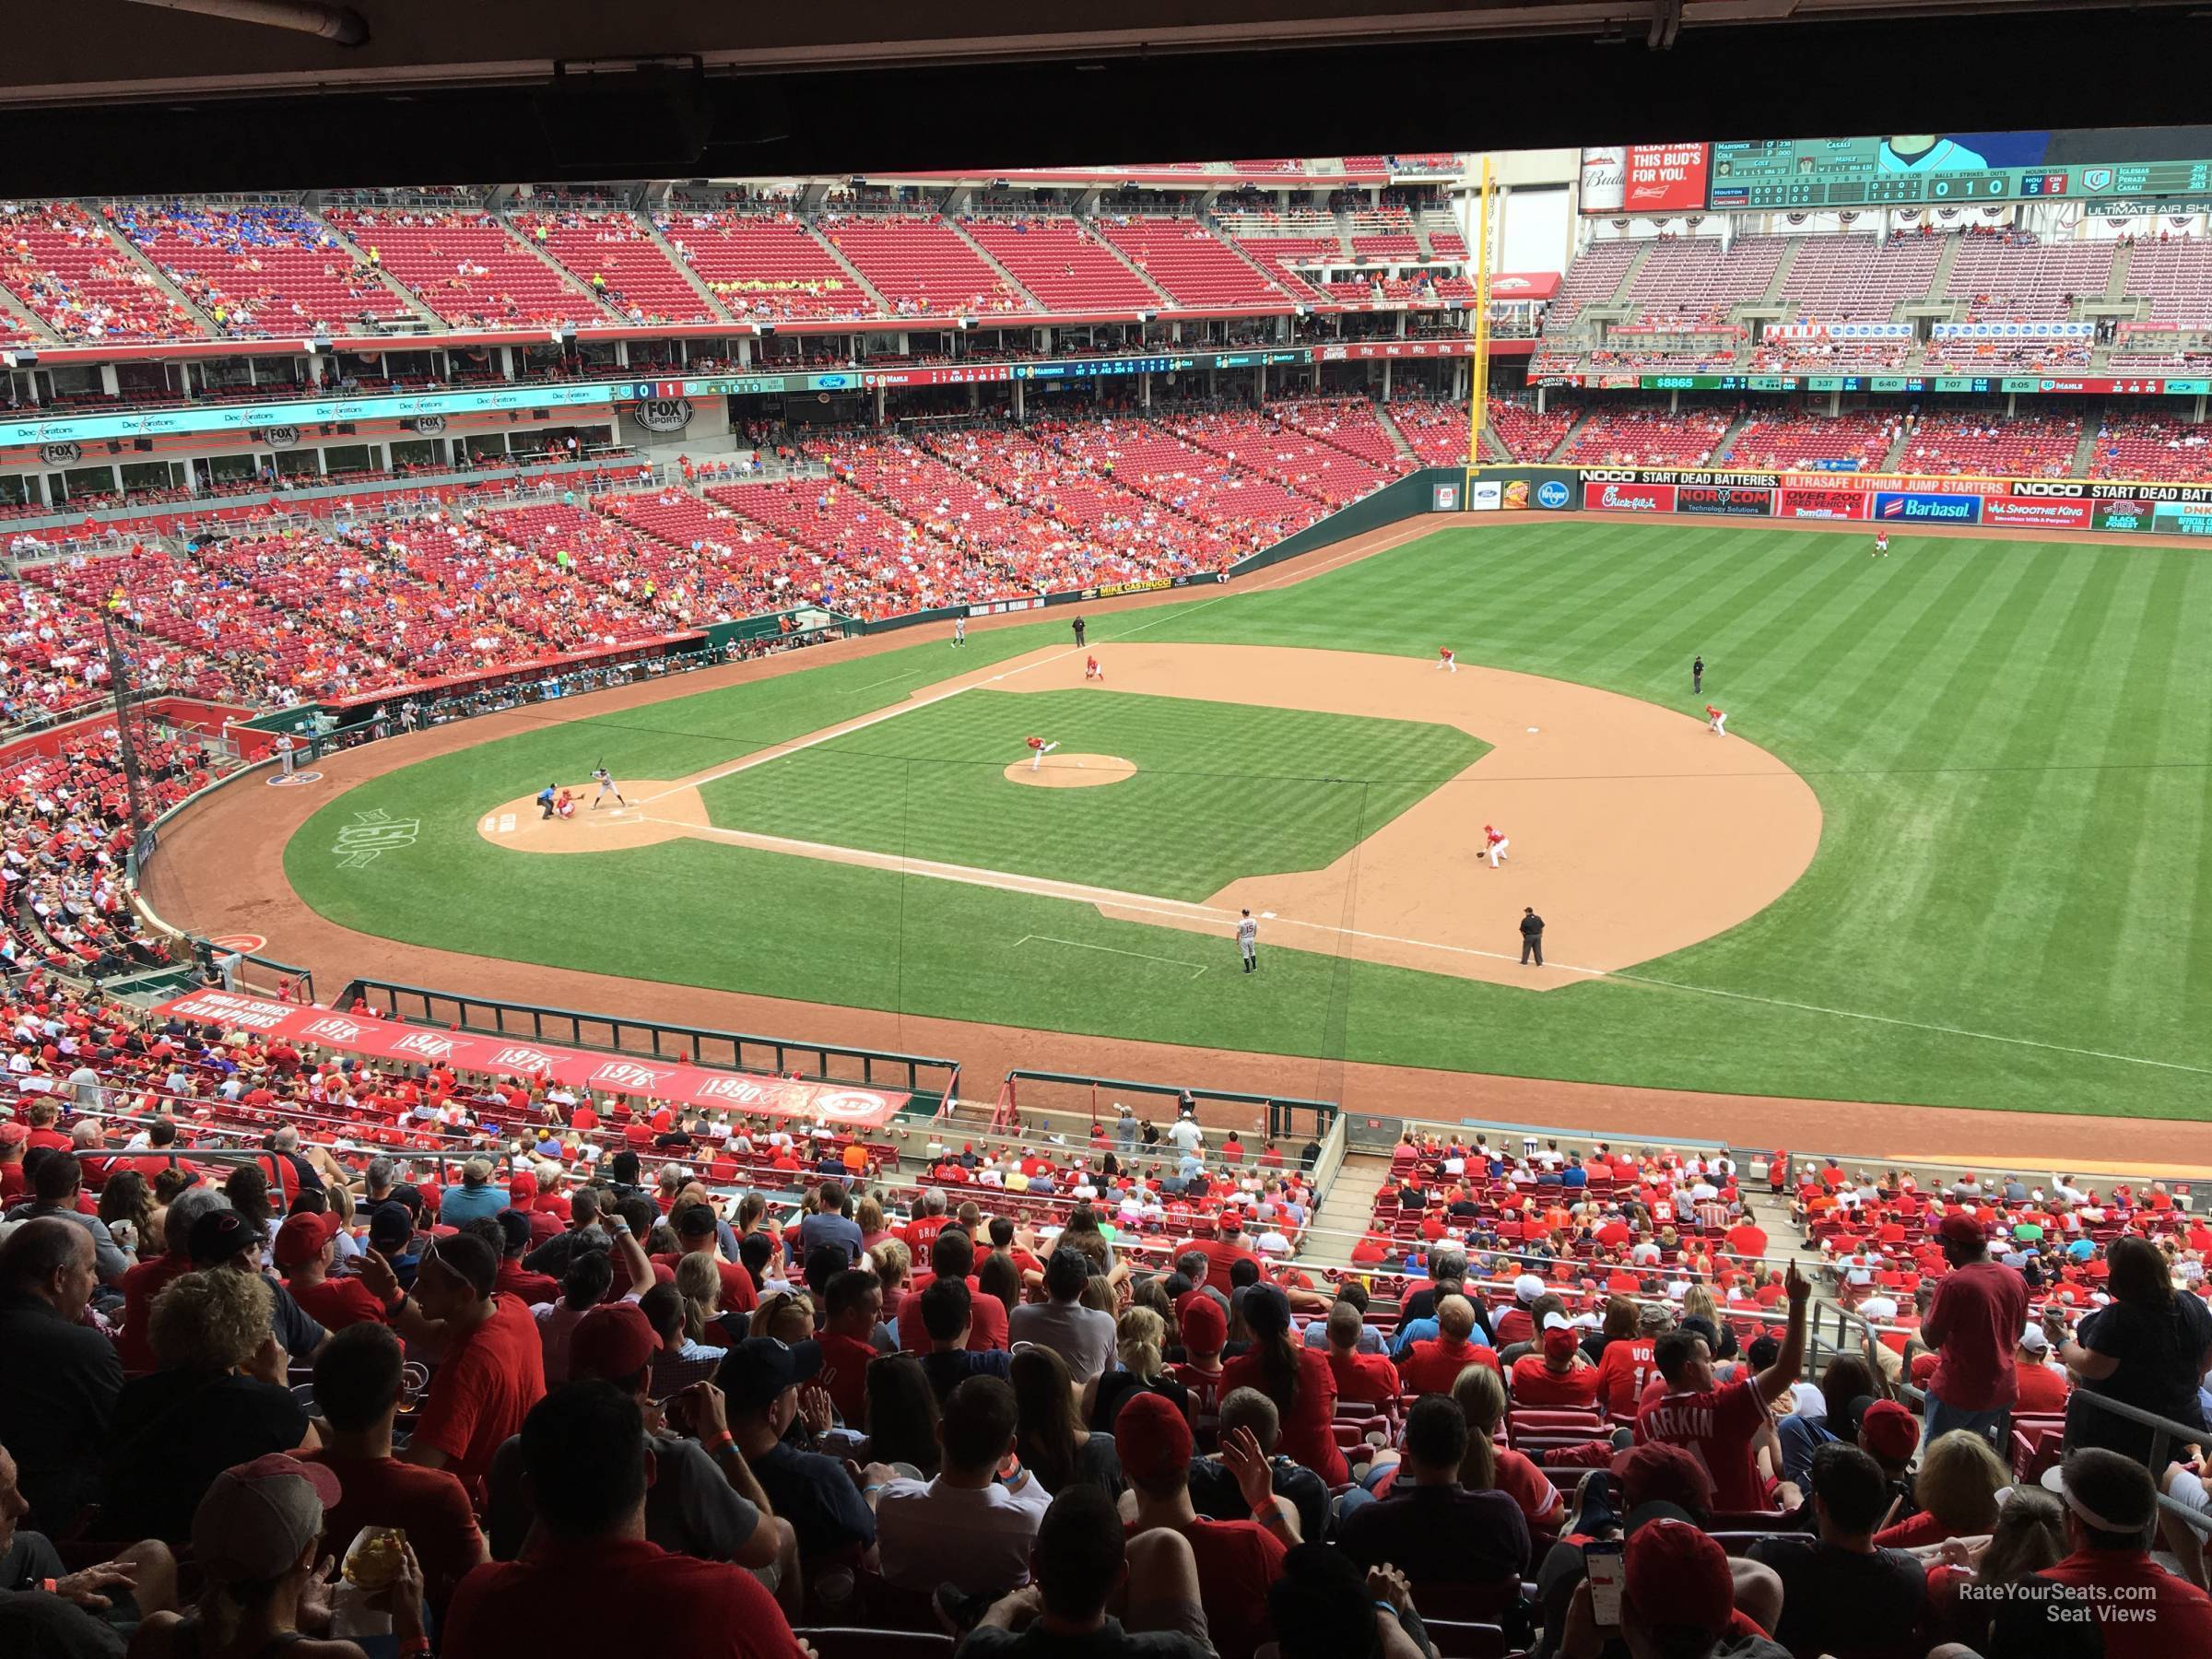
(2085, 451)
(1896, 457)
(984, 253)
(1791, 249)
(1726, 442)
(1347, 1210)
(139, 257)
(24, 318)
(1565, 443)
(668, 247)
(1939, 284)
(1129, 265)
(1397, 439)
(568, 277)
(883, 307)
(427, 319)
(1215, 228)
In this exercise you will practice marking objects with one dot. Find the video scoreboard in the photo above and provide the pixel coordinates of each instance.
(1871, 172)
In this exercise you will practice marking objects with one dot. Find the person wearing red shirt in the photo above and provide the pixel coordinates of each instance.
(587, 1568)
(1974, 1324)
(1222, 1253)
(853, 1306)
(1365, 1379)
(1369, 1251)
(536, 1289)
(1433, 1364)
(14, 1138)
(305, 1248)
(1626, 1364)
(2042, 1391)
(492, 1371)
(2141, 1611)
(1718, 1422)
(1298, 1379)
(1558, 1375)
(1237, 1560)
(358, 1389)
(952, 1256)
(697, 1234)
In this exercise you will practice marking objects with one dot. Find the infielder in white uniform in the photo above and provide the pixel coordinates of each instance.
(1494, 838)
(1248, 942)
(959, 630)
(1717, 720)
(605, 780)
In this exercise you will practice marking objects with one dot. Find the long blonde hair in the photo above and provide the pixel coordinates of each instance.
(1481, 1395)
(1140, 1335)
(698, 1282)
(1959, 1482)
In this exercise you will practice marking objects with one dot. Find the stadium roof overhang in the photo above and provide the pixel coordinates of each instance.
(438, 92)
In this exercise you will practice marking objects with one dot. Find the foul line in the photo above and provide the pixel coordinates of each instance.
(1166, 612)
(1196, 967)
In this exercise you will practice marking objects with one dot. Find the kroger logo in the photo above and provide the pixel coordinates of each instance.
(627, 1074)
(427, 1043)
(520, 1059)
(332, 1029)
(1552, 493)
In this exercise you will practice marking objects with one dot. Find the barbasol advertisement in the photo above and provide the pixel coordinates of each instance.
(1916, 508)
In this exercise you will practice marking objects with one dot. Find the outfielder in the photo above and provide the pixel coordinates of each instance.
(1038, 749)
(1445, 659)
(1494, 840)
(1717, 719)
(959, 630)
(605, 780)
(1881, 544)
(1248, 942)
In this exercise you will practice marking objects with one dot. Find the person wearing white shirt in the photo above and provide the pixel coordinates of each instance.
(1186, 1135)
(974, 1525)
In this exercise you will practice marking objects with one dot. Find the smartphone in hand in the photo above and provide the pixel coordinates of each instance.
(1603, 1561)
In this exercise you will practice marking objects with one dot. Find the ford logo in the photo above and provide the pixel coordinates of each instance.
(830, 379)
(1551, 493)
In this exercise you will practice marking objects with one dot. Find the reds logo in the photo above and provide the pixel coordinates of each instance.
(847, 1103)
(427, 1043)
(331, 1028)
(629, 1074)
(520, 1060)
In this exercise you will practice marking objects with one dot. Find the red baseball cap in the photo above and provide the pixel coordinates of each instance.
(301, 1239)
(1676, 1577)
(1959, 1227)
(1661, 1472)
(1890, 1432)
(613, 1343)
(1153, 1438)
(1205, 1327)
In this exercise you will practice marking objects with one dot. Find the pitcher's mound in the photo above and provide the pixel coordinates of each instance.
(1073, 772)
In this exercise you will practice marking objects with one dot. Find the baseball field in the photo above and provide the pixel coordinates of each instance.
(1951, 851)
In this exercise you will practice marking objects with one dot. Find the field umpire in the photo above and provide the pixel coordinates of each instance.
(1532, 936)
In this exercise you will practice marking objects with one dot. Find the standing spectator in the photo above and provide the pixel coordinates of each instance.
(1431, 1527)
(257, 1542)
(1297, 1378)
(1974, 1324)
(973, 1525)
(59, 1379)
(1081, 1336)
(589, 1567)
(2148, 1348)
(1237, 1560)
(1841, 1580)
(492, 1368)
(359, 1385)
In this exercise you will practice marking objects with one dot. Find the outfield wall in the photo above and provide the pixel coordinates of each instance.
(1895, 499)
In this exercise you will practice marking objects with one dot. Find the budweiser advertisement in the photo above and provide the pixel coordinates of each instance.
(637, 1075)
(1665, 178)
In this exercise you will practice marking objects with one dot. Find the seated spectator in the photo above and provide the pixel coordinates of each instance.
(1627, 1366)
(358, 1387)
(1055, 1445)
(1370, 1340)
(2042, 1387)
(224, 1240)
(2029, 1535)
(947, 1320)
(59, 1378)
(1556, 1374)
(492, 1368)
(1432, 1364)
(1237, 1560)
(1956, 1486)
(1215, 1491)
(698, 1230)
(852, 1307)
(589, 1566)
(1325, 1608)
(952, 1257)
(257, 1542)
(1432, 1529)
(974, 1525)
(305, 1249)
(125, 1589)
(1840, 1579)
(1363, 1377)
(56, 1184)
(474, 1198)
(1140, 1339)
(1823, 1414)
(760, 1380)
(1679, 1600)
(2121, 1603)
(1718, 1421)
(534, 1290)
(1298, 1379)
(1081, 1563)
(1490, 1466)
(1081, 1336)
(219, 1399)
(145, 1281)
(900, 1415)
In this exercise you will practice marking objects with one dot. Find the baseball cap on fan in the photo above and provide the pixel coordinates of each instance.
(257, 1519)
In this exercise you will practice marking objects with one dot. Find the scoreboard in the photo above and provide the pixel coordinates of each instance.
(1814, 173)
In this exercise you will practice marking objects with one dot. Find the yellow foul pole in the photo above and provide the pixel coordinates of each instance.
(1478, 382)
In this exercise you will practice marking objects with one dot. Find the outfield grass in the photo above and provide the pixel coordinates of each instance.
(2009, 739)
(1236, 791)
